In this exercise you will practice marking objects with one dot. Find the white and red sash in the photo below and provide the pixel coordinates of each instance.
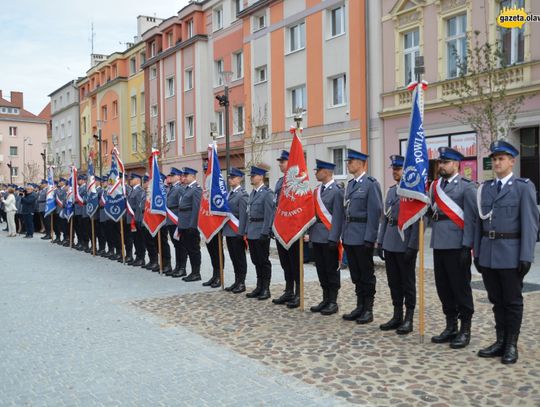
(447, 205)
(325, 217)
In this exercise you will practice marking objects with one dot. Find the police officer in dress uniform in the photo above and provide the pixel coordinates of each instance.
(238, 198)
(64, 224)
(98, 225)
(505, 238)
(165, 248)
(176, 190)
(137, 198)
(289, 259)
(260, 215)
(150, 243)
(452, 249)
(399, 256)
(42, 201)
(329, 197)
(78, 210)
(58, 220)
(132, 198)
(363, 208)
(128, 237)
(188, 218)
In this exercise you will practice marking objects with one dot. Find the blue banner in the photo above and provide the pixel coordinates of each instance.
(68, 210)
(115, 200)
(50, 204)
(219, 204)
(92, 199)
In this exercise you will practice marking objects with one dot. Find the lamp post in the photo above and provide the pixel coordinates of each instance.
(44, 156)
(224, 102)
(24, 156)
(99, 140)
(10, 166)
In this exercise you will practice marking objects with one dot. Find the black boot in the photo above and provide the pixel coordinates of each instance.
(395, 321)
(510, 354)
(194, 276)
(407, 325)
(153, 263)
(449, 332)
(216, 283)
(295, 301)
(287, 295)
(129, 260)
(255, 293)
(367, 313)
(495, 349)
(233, 285)
(138, 262)
(463, 338)
(322, 304)
(210, 282)
(355, 313)
(331, 306)
(47, 236)
(178, 272)
(240, 288)
(265, 290)
(167, 269)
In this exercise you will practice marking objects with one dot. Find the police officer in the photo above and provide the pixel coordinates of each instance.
(165, 248)
(132, 197)
(42, 201)
(260, 215)
(363, 208)
(126, 224)
(176, 190)
(62, 198)
(238, 198)
(99, 229)
(399, 256)
(505, 238)
(452, 238)
(150, 243)
(57, 225)
(136, 200)
(325, 236)
(78, 214)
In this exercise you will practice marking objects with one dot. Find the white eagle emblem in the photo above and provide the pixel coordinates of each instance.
(295, 183)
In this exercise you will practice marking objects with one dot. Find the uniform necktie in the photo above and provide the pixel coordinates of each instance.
(354, 183)
(444, 184)
(499, 186)
(322, 189)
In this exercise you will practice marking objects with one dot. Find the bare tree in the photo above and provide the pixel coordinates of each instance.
(32, 172)
(260, 138)
(480, 94)
(148, 140)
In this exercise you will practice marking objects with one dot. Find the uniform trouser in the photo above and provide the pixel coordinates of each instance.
(237, 251)
(401, 279)
(453, 283)
(327, 265)
(46, 222)
(259, 251)
(180, 251)
(150, 244)
(99, 228)
(213, 250)
(77, 226)
(165, 248)
(86, 231)
(20, 223)
(504, 292)
(112, 230)
(362, 269)
(190, 239)
(138, 241)
(55, 220)
(38, 221)
(12, 229)
(63, 224)
(128, 237)
(29, 223)
(290, 262)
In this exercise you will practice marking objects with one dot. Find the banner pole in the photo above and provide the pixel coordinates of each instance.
(71, 232)
(93, 239)
(159, 251)
(52, 226)
(122, 240)
(421, 321)
(301, 257)
(221, 274)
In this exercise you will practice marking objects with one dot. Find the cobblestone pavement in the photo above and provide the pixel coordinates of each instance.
(68, 337)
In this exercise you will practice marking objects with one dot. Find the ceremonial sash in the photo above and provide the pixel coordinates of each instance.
(324, 215)
(447, 205)
(172, 216)
(132, 225)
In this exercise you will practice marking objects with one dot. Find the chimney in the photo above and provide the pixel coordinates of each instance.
(17, 99)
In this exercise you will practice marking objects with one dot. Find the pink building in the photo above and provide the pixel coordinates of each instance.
(23, 138)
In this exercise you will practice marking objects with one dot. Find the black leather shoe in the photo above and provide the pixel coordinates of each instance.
(286, 296)
(216, 283)
(255, 293)
(150, 265)
(88, 250)
(240, 288)
(264, 294)
(354, 314)
(407, 325)
(394, 322)
(318, 307)
(192, 277)
(449, 332)
(130, 260)
(330, 308)
(366, 317)
(209, 282)
(494, 350)
(65, 243)
(166, 269)
(138, 263)
(463, 338)
(46, 237)
(180, 273)
(232, 286)
(156, 268)
(510, 355)
(294, 303)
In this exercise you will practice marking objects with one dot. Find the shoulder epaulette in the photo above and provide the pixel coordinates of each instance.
(393, 186)
(466, 179)
(369, 177)
(525, 180)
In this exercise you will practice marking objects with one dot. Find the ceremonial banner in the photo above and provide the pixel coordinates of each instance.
(213, 216)
(92, 200)
(70, 202)
(412, 187)
(115, 200)
(50, 204)
(296, 211)
(155, 207)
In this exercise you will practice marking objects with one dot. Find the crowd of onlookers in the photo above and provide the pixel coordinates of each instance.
(20, 208)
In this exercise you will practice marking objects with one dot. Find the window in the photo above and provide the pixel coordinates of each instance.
(338, 156)
(61, 102)
(13, 150)
(153, 73)
(142, 57)
(238, 119)
(93, 101)
(132, 65)
(133, 106)
(12, 131)
(338, 90)
(238, 6)
(15, 171)
(68, 98)
(337, 21)
(170, 39)
(221, 124)
(143, 105)
(170, 87)
(218, 18)
(188, 80)
(513, 47)
(262, 132)
(134, 143)
(84, 124)
(115, 108)
(238, 65)
(190, 28)
(260, 74)
(259, 22)
(69, 128)
(189, 127)
(114, 72)
(171, 131)
(62, 130)
(456, 45)
(153, 49)
(298, 98)
(219, 72)
(153, 110)
(64, 156)
(297, 37)
(411, 49)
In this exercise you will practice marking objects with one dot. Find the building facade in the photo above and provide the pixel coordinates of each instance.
(440, 30)
(23, 137)
(65, 140)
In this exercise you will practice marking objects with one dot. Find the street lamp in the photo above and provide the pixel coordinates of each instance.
(44, 156)
(99, 140)
(224, 102)
(10, 166)
(24, 156)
